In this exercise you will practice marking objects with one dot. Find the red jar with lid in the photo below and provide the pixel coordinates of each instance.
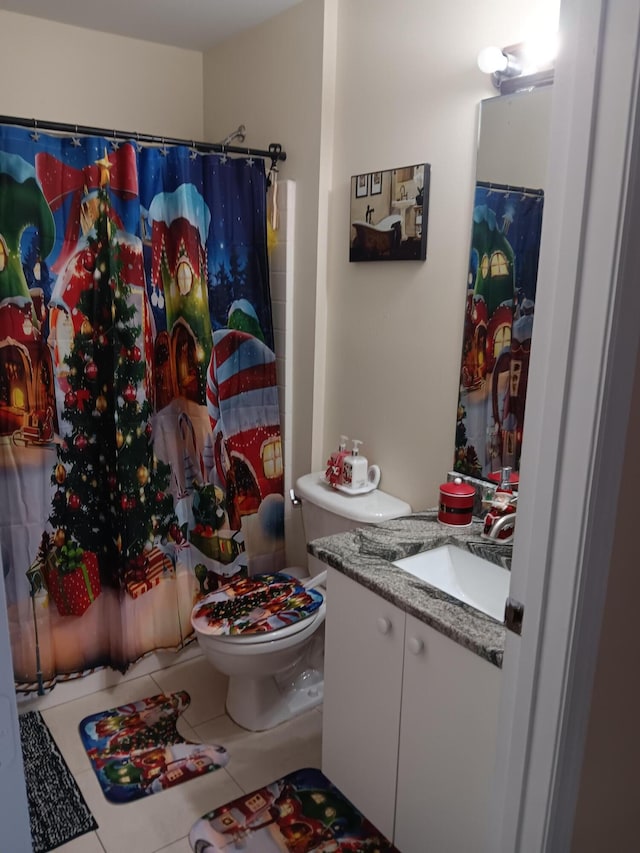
(456, 503)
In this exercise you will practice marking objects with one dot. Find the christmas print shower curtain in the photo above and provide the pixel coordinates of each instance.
(140, 451)
(503, 270)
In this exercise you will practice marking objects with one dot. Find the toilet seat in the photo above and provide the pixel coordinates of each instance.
(258, 609)
(278, 634)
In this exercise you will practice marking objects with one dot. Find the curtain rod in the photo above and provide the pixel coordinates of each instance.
(274, 152)
(489, 185)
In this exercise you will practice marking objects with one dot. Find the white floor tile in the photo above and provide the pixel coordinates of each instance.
(153, 822)
(63, 720)
(180, 846)
(161, 823)
(257, 758)
(87, 843)
(205, 685)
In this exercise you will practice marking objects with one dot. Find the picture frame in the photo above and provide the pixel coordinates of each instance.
(362, 186)
(389, 214)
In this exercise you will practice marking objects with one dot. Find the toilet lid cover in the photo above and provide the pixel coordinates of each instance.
(255, 605)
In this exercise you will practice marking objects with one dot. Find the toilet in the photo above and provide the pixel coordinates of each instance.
(275, 660)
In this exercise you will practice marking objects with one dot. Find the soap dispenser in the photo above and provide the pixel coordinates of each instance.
(355, 468)
(334, 475)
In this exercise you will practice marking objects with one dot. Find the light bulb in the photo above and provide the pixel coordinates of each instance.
(492, 59)
(540, 51)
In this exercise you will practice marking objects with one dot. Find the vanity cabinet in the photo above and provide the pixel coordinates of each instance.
(409, 722)
(364, 641)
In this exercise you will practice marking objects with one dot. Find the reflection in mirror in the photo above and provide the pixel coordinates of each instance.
(501, 285)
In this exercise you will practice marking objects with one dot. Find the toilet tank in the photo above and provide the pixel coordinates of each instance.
(326, 511)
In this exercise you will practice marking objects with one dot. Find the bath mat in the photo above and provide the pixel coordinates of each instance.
(58, 812)
(302, 812)
(135, 749)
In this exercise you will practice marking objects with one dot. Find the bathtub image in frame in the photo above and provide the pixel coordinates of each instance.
(389, 222)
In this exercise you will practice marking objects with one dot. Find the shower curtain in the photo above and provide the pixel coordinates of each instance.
(140, 448)
(503, 269)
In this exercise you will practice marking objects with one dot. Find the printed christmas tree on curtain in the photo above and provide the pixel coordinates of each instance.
(112, 498)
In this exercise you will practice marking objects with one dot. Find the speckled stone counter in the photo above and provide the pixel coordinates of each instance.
(366, 555)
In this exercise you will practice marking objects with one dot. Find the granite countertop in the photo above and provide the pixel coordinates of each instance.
(366, 555)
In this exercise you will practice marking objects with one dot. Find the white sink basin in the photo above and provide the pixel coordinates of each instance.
(403, 203)
(463, 575)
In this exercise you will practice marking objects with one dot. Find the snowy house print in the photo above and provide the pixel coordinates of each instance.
(247, 812)
(179, 224)
(474, 354)
(27, 395)
(242, 401)
(27, 409)
(489, 309)
(495, 277)
(243, 814)
(509, 386)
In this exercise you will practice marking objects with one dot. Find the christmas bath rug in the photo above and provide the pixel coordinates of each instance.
(302, 812)
(135, 749)
(58, 812)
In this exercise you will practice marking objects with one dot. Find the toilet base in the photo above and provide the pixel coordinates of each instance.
(258, 704)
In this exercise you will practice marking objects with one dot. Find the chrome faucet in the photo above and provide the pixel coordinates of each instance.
(508, 520)
(403, 192)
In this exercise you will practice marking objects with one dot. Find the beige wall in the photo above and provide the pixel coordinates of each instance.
(68, 74)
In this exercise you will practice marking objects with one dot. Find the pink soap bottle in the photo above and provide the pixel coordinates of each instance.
(334, 474)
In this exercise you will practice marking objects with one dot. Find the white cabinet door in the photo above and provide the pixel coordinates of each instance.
(362, 692)
(447, 744)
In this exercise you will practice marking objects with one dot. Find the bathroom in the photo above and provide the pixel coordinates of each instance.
(425, 110)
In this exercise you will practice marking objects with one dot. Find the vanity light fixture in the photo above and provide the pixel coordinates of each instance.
(501, 63)
(517, 67)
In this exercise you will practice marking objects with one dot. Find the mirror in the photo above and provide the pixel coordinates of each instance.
(499, 308)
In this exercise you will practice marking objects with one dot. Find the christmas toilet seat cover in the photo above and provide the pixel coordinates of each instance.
(255, 605)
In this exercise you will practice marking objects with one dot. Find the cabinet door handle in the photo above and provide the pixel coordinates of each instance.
(384, 624)
(416, 645)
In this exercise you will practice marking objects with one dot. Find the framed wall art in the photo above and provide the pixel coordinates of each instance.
(389, 213)
(362, 186)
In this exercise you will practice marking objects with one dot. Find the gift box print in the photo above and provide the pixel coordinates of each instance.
(74, 589)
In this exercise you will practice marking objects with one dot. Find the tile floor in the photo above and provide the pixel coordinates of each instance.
(162, 821)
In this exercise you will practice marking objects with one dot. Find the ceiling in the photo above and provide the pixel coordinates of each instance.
(192, 24)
